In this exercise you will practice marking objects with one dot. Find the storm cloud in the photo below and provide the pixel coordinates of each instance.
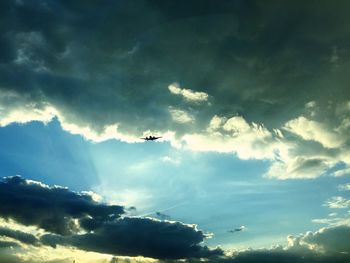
(103, 228)
(281, 67)
(19, 235)
(140, 237)
(75, 219)
(51, 208)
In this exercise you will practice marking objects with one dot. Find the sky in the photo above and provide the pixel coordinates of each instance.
(251, 100)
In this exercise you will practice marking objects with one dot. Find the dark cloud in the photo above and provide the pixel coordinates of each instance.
(107, 67)
(280, 256)
(5, 244)
(326, 245)
(135, 236)
(331, 239)
(162, 216)
(94, 60)
(51, 208)
(57, 209)
(19, 235)
(139, 237)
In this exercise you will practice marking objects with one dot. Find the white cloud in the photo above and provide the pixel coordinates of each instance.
(96, 197)
(291, 157)
(337, 202)
(311, 107)
(109, 132)
(298, 167)
(328, 242)
(329, 239)
(13, 109)
(27, 113)
(315, 131)
(215, 123)
(236, 125)
(344, 187)
(180, 116)
(341, 172)
(310, 104)
(333, 221)
(188, 94)
(235, 135)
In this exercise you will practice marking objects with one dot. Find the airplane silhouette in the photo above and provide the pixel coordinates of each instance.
(150, 138)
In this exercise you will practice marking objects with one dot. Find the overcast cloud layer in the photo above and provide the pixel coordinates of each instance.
(263, 81)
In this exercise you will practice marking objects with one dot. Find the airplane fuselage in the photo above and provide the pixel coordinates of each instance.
(151, 138)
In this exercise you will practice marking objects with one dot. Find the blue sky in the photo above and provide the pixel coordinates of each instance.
(252, 104)
(217, 191)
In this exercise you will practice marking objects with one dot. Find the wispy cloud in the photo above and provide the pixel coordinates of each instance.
(188, 94)
(337, 202)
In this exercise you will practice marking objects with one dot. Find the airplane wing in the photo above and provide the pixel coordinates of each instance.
(151, 138)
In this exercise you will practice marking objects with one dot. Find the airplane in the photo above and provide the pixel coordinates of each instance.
(238, 229)
(150, 138)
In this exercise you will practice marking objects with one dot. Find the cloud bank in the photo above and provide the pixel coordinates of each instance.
(326, 245)
(76, 219)
(263, 70)
(88, 225)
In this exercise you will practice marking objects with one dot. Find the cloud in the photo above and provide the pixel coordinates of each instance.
(162, 216)
(139, 236)
(111, 81)
(5, 244)
(344, 187)
(236, 135)
(291, 157)
(19, 235)
(298, 167)
(329, 239)
(332, 221)
(161, 239)
(325, 245)
(342, 172)
(216, 123)
(190, 95)
(79, 220)
(180, 116)
(312, 130)
(54, 209)
(337, 202)
(14, 108)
